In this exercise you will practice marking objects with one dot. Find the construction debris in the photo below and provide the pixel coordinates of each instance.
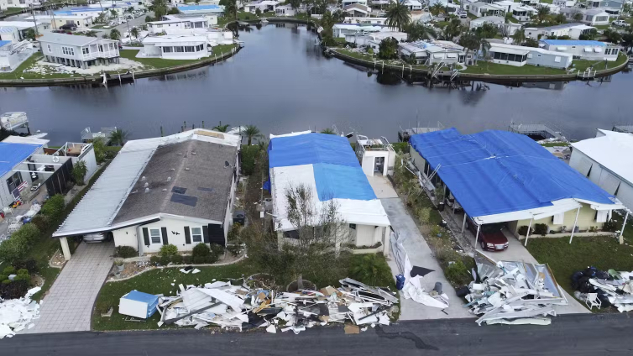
(603, 289)
(18, 314)
(513, 292)
(237, 306)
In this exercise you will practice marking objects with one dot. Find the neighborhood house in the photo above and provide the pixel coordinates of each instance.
(174, 47)
(594, 50)
(432, 52)
(78, 51)
(520, 55)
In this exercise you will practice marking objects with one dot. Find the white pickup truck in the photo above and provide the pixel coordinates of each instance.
(619, 23)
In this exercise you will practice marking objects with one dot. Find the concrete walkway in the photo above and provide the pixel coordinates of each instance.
(382, 187)
(421, 255)
(68, 305)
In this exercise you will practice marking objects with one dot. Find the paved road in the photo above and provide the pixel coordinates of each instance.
(568, 335)
(124, 27)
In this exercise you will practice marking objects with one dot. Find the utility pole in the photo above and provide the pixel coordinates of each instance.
(37, 33)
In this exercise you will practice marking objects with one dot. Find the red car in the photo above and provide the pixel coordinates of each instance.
(491, 238)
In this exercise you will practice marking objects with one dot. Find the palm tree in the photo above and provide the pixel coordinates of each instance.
(252, 132)
(560, 18)
(134, 32)
(328, 131)
(452, 29)
(542, 14)
(417, 31)
(115, 34)
(437, 9)
(118, 137)
(398, 16)
(231, 9)
(221, 128)
(518, 37)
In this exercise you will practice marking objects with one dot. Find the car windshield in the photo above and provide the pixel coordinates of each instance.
(491, 228)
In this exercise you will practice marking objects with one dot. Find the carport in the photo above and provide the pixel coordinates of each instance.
(500, 176)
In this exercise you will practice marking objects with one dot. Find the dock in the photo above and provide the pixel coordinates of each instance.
(537, 132)
(405, 134)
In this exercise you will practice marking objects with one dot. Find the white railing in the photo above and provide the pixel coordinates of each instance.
(104, 54)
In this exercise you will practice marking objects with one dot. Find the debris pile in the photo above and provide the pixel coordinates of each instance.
(513, 293)
(18, 314)
(240, 307)
(604, 289)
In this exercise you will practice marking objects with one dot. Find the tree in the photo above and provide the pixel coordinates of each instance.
(99, 144)
(398, 16)
(530, 42)
(294, 4)
(221, 128)
(627, 38)
(452, 29)
(53, 208)
(231, 9)
(542, 13)
(130, 9)
(113, 13)
(115, 34)
(518, 37)
(101, 18)
(417, 31)
(173, 11)
(252, 132)
(79, 172)
(91, 33)
(258, 12)
(197, 2)
(134, 32)
(159, 7)
(30, 34)
(470, 41)
(487, 30)
(437, 9)
(612, 36)
(577, 15)
(388, 48)
(105, 36)
(591, 34)
(560, 19)
(118, 137)
(328, 131)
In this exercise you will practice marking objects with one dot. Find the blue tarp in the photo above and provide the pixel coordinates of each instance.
(494, 172)
(150, 299)
(337, 173)
(13, 153)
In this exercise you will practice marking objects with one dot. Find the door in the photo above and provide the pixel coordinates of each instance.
(379, 165)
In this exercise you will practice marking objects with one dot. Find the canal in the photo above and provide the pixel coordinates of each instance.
(280, 82)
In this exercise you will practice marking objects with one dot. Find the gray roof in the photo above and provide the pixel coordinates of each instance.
(187, 178)
(72, 40)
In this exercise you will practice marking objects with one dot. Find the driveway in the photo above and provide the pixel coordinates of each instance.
(421, 255)
(68, 305)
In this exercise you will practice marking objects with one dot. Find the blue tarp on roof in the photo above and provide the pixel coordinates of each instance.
(337, 173)
(200, 8)
(13, 153)
(575, 43)
(494, 172)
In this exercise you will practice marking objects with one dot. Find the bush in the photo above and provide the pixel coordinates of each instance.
(176, 259)
(168, 250)
(29, 232)
(22, 275)
(234, 249)
(187, 260)
(30, 265)
(125, 252)
(424, 214)
(234, 233)
(13, 249)
(217, 249)
(249, 155)
(155, 260)
(523, 230)
(610, 226)
(457, 273)
(54, 208)
(79, 171)
(164, 260)
(14, 290)
(200, 250)
(8, 270)
(40, 221)
(541, 229)
(371, 269)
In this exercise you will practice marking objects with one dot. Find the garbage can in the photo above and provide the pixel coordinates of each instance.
(400, 282)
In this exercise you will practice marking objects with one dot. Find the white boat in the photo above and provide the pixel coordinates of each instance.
(264, 21)
(13, 120)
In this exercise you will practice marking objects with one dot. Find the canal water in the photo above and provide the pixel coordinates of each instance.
(280, 82)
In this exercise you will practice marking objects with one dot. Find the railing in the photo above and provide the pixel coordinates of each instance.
(104, 54)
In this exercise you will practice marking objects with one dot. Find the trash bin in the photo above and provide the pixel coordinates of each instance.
(400, 282)
(440, 206)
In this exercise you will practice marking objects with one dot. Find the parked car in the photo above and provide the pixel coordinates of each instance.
(97, 237)
(462, 15)
(491, 238)
(68, 26)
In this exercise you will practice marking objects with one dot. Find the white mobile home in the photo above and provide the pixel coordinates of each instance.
(78, 51)
(175, 47)
(590, 17)
(373, 39)
(187, 23)
(285, 10)
(519, 56)
(573, 30)
(480, 9)
(595, 50)
(341, 30)
(178, 190)
(602, 160)
(431, 52)
(523, 13)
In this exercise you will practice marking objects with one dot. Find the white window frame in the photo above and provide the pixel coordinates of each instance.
(49, 48)
(193, 238)
(151, 236)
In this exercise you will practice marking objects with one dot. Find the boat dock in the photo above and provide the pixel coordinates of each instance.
(405, 134)
(537, 132)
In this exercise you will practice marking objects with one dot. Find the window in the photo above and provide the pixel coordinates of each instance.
(196, 234)
(14, 181)
(178, 49)
(607, 51)
(189, 49)
(100, 48)
(68, 51)
(154, 235)
(557, 59)
(614, 51)
(84, 50)
(167, 49)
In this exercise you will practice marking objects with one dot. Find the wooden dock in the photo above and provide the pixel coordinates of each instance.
(535, 130)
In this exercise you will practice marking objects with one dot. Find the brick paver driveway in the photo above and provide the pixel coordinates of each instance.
(68, 305)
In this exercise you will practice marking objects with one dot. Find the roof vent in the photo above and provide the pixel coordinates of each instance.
(187, 168)
(193, 153)
(164, 190)
(146, 184)
(172, 169)
(143, 178)
(146, 190)
(169, 179)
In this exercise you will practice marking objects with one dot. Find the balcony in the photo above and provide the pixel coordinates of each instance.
(104, 54)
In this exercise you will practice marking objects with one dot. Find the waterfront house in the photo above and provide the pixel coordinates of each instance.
(373, 39)
(175, 47)
(174, 23)
(481, 9)
(523, 13)
(285, 10)
(573, 30)
(593, 50)
(341, 30)
(413, 5)
(376, 155)
(328, 168)
(178, 189)
(365, 20)
(263, 6)
(432, 52)
(519, 56)
(607, 161)
(351, 2)
(12, 54)
(201, 10)
(78, 51)
(501, 177)
(357, 10)
(590, 17)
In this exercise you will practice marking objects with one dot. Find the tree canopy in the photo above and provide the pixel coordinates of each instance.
(398, 16)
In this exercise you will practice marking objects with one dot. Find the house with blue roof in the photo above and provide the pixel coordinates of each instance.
(14, 151)
(327, 167)
(501, 177)
(583, 49)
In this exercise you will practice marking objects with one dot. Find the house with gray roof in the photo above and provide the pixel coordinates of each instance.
(78, 51)
(178, 190)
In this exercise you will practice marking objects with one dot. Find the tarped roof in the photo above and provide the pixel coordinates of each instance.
(328, 167)
(13, 153)
(496, 172)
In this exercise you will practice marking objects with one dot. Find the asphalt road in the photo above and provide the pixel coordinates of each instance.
(568, 335)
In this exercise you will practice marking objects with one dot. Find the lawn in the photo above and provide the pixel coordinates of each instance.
(555, 144)
(19, 72)
(583, 64)
(565, 259)
(363, 56)
(12, 11)
(166, 63)
(484, 67)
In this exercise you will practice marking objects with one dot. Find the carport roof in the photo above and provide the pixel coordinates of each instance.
(499, 172)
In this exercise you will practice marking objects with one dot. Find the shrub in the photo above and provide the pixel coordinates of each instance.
(164, 260)
(217, 249)
(249, 155)
(40, 221)
(168, 250)
(370, 269)
(79, 172)
(523, 230)
(457, 273)
(22, 275)
(14, 290)
(54, 208)
(200, 250)
(187, 259)
(13, 249)
(176, 259)
(234, 233)
(541, 229)
(234, 249)
(30, 265)
(199, 259)
(155, 260)
(610, 226)
(126, 252)
(29, 232)
(436, 231)
(8, 270)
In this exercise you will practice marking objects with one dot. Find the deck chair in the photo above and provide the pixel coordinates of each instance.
(593, 301)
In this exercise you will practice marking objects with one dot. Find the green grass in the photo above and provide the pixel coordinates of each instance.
(29, 63)
(363, 56)
(157, 63)
(564, 259)
(484, 67)
(471, 16)
(601, 27)
(555, 144)
(583, 64)
(12, 11)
